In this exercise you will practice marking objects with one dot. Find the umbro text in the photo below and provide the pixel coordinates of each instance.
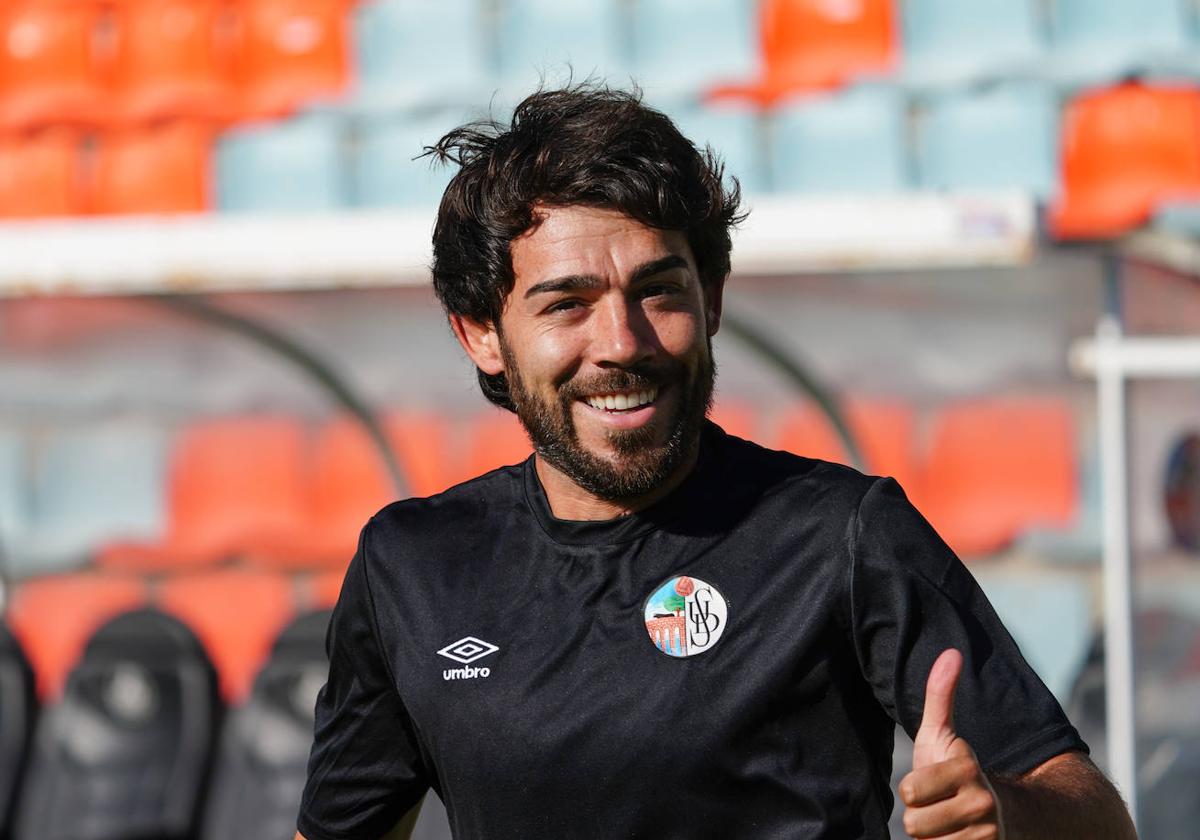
(467, 673)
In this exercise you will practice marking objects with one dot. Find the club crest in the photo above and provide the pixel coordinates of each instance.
(685, 616)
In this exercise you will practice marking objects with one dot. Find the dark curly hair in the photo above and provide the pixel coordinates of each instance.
(582, 145)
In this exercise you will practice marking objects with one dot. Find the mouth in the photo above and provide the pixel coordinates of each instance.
(622, 401)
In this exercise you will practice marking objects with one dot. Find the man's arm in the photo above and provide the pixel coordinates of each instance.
(401, 830)
(948, 795)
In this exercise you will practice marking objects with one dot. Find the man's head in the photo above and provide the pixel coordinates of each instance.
(581, 252)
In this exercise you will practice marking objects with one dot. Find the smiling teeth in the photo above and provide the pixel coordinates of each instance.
(622, 402)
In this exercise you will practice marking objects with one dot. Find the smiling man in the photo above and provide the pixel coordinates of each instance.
(651, 629)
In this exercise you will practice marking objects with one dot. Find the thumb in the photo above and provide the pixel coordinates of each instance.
(936, 734)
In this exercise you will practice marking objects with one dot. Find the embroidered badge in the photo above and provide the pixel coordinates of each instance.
(685, 616)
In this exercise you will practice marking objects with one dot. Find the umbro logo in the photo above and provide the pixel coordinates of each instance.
(466, 651)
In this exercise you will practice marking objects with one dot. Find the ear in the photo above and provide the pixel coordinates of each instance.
(714, 295)
(481, 340)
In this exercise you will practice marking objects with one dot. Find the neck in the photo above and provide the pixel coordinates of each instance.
(568, 500)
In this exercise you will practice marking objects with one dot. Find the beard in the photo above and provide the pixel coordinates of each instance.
(643, 464)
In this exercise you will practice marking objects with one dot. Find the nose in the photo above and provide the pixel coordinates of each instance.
(622, 336)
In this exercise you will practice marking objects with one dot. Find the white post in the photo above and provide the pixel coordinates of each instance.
(1118, 589)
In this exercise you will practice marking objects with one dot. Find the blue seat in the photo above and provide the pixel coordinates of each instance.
(544, 38)
(1082, 542)
(90, 486)
(14, 503)
(687, 45)
(956, 41)
(383, 171)
(999, 138)
(1101, 40)
(294, 166)
(1180, 217)
(413, 52)
(847, 142)
(734, 133)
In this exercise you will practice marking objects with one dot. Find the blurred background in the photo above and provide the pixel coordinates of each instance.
(971, 263)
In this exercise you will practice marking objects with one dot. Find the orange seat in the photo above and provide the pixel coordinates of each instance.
(236, 614)
(996, 467)
(170, 60)
(160, 169)
(495, 439)
(883, 429)
(53, 617)
(1125, 150)
(40, 175)
(820, 44)
(48, 67)
(290, 53)
(236, 487)
(324, 589)
(738, 419)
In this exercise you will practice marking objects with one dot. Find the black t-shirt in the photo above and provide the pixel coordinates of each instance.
(727, 663)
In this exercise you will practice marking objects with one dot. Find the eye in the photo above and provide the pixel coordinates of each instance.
(564, 305)
(659, 289)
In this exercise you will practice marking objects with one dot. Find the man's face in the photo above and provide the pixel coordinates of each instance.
(606, 344)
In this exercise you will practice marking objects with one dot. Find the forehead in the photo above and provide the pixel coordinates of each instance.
(590, 241)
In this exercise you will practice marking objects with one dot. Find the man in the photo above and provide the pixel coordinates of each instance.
(651, 629)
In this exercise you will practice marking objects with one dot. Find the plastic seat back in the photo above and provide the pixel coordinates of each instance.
(387, 171)
(398, 41)
(543, 37)
(290, 53)
(1000, 138)
(1101, 40)
(495, 439)
(48, 67)
(948, 41)
(14, 492)
(847, 142)
(40, 175)
(1124, 151)
(295, 166)
(734, 130)
(171, 60)
(687, 46)
(263, 757)
(126, 752)
(18, 716)
(155, 169)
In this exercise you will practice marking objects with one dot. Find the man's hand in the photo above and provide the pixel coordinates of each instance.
(947, 794)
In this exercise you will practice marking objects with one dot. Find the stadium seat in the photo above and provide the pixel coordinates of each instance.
(734, 129)
(736, 418)
(54, 616)
(170, 60)
(262, 760)
(399, 42)
(494, 439)
(1080, 541)
(884, 430)
(295, 166)
(996, 467)
(126, 751)
(14, 491)
(91, 485)
(1103, 40)
(40, 174)
(234, 486)
(386, 170)
(1003, 137)
(846, 142)
(48, 68)
(18, 700)
(236, 613)
(543, 38)
(324, 588)
(290, 53)
(157, 169)
(1124, 151)
(952, 42)
(1179, 217)
(812, 45)
(688, 46)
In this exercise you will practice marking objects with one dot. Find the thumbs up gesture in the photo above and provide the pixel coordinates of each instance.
(947, 794)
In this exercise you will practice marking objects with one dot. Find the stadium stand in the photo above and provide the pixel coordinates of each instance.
(386, 170)
(18, 699)
(263, 754)
(685, 47)
(494, 439)
(733, 128)
(845, 142)
(48, 64)
(127, 750)
(1125, 150)
(398, 41)
(1097, 42)
(540, 37)
(41, 174)
(295, 166)
(947, 42)
(163, 168)
(14, 492)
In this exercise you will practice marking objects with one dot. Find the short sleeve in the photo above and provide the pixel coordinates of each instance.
(365, 769)
(911, 598)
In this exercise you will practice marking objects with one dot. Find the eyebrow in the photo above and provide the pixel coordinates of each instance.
(577, 282)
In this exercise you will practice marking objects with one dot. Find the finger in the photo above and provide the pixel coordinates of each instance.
(937, 781)
(971, 808)
(937, 718)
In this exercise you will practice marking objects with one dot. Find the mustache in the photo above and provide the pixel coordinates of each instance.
(630, 379)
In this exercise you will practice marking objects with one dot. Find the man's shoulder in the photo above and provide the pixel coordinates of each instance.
(470, 504)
